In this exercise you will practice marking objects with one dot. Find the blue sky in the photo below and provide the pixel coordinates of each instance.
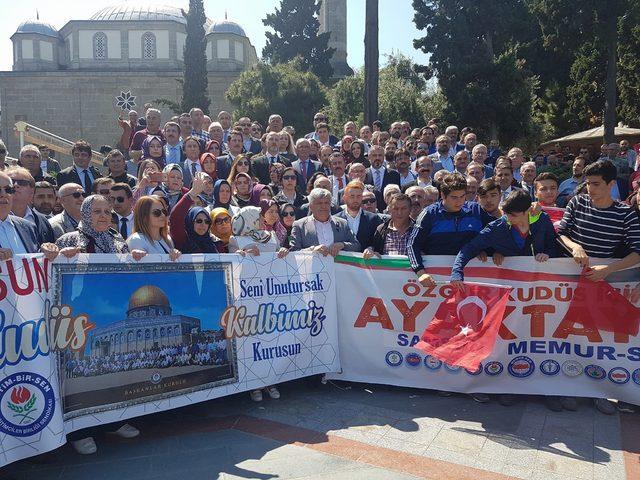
(397, 29)
(104, 297)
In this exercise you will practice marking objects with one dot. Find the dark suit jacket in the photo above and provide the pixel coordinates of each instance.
(367, 227)
(389, 177)
(27, 233)
(255, 148)
(260, 165)
(312, 167)
(44, 231)
(69, 175)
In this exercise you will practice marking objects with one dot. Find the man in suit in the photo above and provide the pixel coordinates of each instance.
(379, 176)
(320, 232)
(80, 172)
(363, 224)
(304, 166)
(48, 164)
(250, 145)
(121, 199)
(71, 196)
(17, 235)
(224, 162)
(262, 163)
(30, 158)
(24, 186)
(338, 178)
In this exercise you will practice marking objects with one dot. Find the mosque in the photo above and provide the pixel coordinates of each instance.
(66, 81)
(150, 323)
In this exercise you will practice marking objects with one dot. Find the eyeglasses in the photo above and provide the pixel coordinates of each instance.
(288, 177)
(220, 221)
(8, 190)
(117, 199)
(200, 221)
(240, 164)
(157, 212)
(369, 200)
(24, 183)
(289, 214)
(76, 195)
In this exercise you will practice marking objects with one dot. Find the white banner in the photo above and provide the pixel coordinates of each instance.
(383, 311)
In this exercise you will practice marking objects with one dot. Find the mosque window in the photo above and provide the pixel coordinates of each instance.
(149, 51)
(100, 46)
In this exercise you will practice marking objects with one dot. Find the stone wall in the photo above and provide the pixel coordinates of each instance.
(77, 105)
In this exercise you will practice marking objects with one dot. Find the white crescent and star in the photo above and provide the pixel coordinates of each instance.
(475, 301)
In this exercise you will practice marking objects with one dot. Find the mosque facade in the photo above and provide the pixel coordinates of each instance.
(66, 81)
(149, 323)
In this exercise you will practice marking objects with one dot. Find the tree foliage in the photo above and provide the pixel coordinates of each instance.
(295, 34)
(282, 89)
(194, 88)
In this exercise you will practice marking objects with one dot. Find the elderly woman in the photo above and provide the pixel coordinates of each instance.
(93, 236)
(173, 184)
(221, 228)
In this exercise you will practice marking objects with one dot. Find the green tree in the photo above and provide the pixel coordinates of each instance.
(194, 87)
(345, 101)
(476, 52)
(295, 34)
(282, 89)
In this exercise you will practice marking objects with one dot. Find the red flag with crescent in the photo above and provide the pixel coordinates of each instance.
(465, 326)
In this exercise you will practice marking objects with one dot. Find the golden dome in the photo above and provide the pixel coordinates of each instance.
(146, 296)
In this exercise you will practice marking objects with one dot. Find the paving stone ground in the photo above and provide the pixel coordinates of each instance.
(357, 431)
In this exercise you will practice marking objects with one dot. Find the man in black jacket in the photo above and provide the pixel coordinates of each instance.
(24, 186)
(379, 176)
(80, 172)
(363, 224)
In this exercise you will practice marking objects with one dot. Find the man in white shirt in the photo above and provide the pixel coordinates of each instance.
(16, 234)
(402, 161)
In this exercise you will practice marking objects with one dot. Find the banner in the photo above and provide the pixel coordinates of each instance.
(131, 338)
(541, 349)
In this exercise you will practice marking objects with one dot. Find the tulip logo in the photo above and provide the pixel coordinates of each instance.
(23, 404)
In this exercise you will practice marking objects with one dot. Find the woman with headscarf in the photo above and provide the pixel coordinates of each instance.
(260, 192)
(151, 228)
(212, 146)
(222, 197)
(221, 227)
(345, 148)
(153, 149)
(173, 185)
(242, 186)
(358, 154)
(205, 199)
(208, 165)
(275, 177)
(93, 236)
(149, 177)
(270, 220)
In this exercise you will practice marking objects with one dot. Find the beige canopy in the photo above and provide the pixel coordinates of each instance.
(594, 137)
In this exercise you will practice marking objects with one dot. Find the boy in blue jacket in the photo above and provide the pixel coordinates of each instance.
(517, 233)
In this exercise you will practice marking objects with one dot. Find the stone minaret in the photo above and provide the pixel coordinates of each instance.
(333, 18)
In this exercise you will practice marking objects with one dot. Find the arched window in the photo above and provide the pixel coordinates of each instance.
(100, 51)
(149, 51)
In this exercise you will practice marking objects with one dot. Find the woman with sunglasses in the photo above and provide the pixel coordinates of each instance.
(153, 149)
(243, 186)
(189, 224)
(208, 164)
(221, 228)
(289, 192)
(241, 164)
(151, 229)
(287, 217)
(222, 197)
(173, 185)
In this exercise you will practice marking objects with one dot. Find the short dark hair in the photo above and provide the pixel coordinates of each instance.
(400, 197)
(517, 201)
(602, 168)
(377, 123)
(125, 187)
(452, 182)
(45, 184)
(113, 153)
(399, 152)
(322, 125)
(547, 176)
(98, 182)
(487, 185)
(173, 124)
(81, 146)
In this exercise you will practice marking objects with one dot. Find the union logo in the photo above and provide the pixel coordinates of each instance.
(595, 372)
(432, 363)
(521, 367)
(27, 404)
(413, 359)
(619, 375)
(550, 367)
(493, 368)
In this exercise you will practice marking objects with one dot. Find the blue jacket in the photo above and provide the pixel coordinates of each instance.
(499, 236)
(438, 232)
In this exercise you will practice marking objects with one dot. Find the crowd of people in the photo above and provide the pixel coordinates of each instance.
(197, 354)
(194, 185)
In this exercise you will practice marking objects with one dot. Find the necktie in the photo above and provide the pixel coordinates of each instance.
(193, 170)
(123, 227)
(378, 180)
(87, 182)
(340, 183)
(272, 159)
(303, 170)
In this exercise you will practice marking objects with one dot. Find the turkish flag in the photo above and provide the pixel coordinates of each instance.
(555, 214)
(597, 305)
(465, 326)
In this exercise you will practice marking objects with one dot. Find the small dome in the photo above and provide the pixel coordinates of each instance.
(147, 296)
(36, 26)
(129, 11)
(226, 26)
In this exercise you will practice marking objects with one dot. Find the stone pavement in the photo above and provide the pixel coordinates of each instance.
(358, 431)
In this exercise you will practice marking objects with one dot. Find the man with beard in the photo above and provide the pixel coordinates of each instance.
(44, 198)
(441, 159)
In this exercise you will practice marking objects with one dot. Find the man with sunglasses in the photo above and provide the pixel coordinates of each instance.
(30, 159)
(71, 196)
(121, 199)
(24, 186)
(17, 235)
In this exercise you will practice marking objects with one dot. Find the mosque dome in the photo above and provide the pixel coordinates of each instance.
(226, 26)
(135, 11)
(148, 296)
(37, 26)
